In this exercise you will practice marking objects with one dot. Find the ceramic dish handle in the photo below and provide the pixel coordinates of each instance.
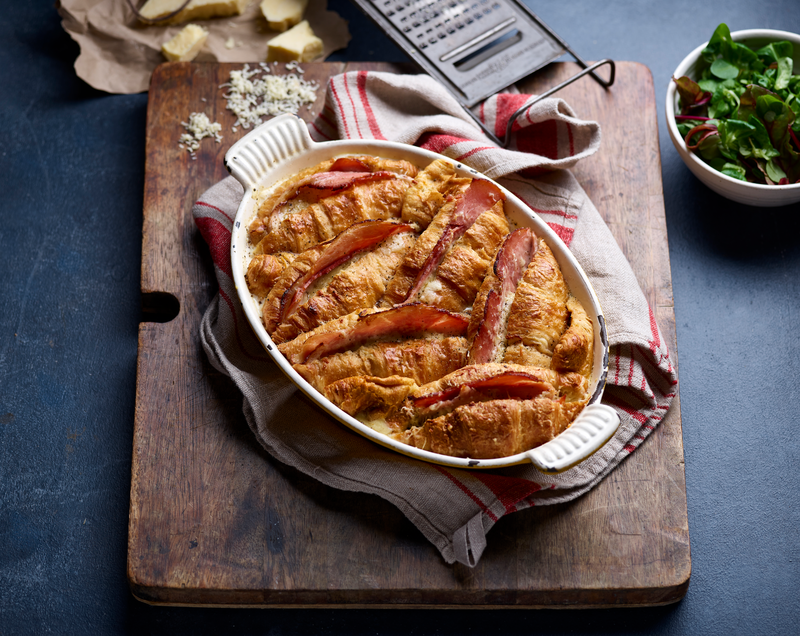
(593, 427)
(251, 158)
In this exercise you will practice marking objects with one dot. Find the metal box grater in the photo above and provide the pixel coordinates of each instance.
(476, 48)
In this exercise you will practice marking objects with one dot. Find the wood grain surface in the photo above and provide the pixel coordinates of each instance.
(214, 520)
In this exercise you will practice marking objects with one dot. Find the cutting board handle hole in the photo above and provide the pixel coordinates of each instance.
(159, 307)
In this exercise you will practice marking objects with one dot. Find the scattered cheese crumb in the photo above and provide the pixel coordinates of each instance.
(230, 43)
(198, 127)
(294, 65)
(251, 97)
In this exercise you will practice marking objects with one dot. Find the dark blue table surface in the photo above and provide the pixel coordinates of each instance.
(72, 170)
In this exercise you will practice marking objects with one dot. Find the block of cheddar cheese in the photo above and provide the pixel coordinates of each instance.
(283, 14)
(185, 46)
(195, 10)
(297, 44)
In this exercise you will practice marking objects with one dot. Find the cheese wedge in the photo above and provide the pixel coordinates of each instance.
(195, 10)
(282, 14)
(297, 44)
(185, 46)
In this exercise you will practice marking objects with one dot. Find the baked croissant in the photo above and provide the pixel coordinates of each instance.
(403, 296)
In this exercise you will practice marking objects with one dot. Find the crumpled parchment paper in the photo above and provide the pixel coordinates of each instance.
(118, 52)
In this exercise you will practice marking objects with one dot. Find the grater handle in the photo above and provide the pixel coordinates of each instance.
(536, 98)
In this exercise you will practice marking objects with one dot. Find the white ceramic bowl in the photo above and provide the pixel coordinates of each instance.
(280, 148)
(741, 191)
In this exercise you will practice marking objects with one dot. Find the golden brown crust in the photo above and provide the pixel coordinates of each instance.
(270, 312)
(574, 350)
(538, 315)
(488, 430)
(525, 355)
(289, 188)
(413, 383)
(356, 286)
(258, 226)
(485, 383)
(432, 188)
(415, 259)
(422, 360)
(373, 396)
(264, 270)
(297, 225)
(465, 266)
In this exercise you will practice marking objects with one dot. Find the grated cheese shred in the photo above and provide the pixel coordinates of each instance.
(197, 128)
(251, 97)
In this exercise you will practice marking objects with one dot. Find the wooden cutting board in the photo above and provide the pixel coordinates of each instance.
(214, 520)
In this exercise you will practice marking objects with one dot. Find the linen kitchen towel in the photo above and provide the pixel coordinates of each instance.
(453, 508)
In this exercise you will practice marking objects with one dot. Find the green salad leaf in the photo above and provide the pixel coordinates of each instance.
(741, 114)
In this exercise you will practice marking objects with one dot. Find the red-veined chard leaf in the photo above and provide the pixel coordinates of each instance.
(747, 101)
(777, 118)
(690, 93)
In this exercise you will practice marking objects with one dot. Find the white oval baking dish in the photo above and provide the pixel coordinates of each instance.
(280, 148)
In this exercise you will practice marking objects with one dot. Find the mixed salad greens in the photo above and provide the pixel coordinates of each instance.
(742, 114)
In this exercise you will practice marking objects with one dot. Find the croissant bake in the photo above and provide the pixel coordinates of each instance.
(404, 296)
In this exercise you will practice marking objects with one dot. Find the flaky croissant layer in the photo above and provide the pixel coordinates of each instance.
(402, 295)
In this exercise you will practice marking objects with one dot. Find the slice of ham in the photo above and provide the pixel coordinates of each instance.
(343, 173)
(349, 164)
(325, 182)
(479, 197)
(357, 238)
(404, 321)
(507, 385)
(510, 263)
